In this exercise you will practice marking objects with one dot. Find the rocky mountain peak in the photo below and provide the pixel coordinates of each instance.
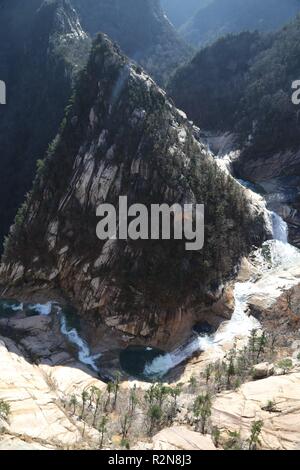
(122, 136)
(50, 42)
(140, 28)
(62, 16)
(48, 45)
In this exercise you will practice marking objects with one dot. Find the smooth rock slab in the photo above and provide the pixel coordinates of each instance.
(8, 442)
(33, 393)
(181, 438)
(236, 411)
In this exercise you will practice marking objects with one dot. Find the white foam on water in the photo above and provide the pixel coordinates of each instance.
(240, 324)
(15, 307)
(84, 354)
(280, 228)
(42, 309)
(281, 256)
(162, 364)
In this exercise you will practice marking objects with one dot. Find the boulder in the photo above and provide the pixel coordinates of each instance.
(263, 370)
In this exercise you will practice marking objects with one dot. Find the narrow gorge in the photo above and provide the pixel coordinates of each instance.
(138, 343)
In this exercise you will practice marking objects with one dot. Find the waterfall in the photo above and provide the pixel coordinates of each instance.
(280, 228)
(84, 354)
(280, 255)
(240, 325)
(162, 364)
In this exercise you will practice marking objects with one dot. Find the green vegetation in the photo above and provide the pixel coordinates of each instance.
(157, 47)
(254, 439)
(202, 410)
(159, 410)
(179, 12)
(236, 367)
(159, 270)
(233, 441)
(116, 386)
(193, 383)
(242, 83)
(133, 414)
(216, 436)
(130, 414)
(270, 407)
(4, 410)
(211, 87)
(102, 430)
(285, 364)
(84, 398)
(220, 17)
(41, 82)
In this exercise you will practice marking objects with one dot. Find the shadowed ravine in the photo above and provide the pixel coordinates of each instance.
(283, 255)
(153, 364)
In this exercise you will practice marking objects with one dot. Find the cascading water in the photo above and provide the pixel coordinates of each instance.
(280, 228)
(164, 363)
(42, 309)
(84, 353)
(275, 256)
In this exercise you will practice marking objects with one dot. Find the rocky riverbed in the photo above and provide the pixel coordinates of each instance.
(41, 372)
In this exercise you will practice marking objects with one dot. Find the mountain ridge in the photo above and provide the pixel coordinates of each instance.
(121, 136)
(39, 67)
(43, 45)
(222, 17)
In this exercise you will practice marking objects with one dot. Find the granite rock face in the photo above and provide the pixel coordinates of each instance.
(42, 47)
(178, 438)
(236, 411)
(35, 394)
(123, 137)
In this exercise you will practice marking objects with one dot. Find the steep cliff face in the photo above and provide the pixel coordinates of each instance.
(41, 47)
(121, 136)
(141, 29)
(222, 17)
